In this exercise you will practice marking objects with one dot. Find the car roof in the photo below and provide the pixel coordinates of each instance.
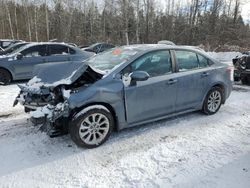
(9, 40)
(48, 43)
(148, 47)
(144, 48)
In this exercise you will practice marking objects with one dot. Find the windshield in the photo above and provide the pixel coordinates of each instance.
(93, 45)
(108, 60)
(18, 49)
(14, 47)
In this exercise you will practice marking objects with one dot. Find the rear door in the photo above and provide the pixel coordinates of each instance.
(32, 56)
(154, 97)
(193, 73)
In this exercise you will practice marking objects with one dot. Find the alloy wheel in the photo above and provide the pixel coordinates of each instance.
(214, 101)
(94, 128)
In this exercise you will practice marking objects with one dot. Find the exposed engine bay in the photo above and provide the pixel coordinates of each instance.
(50, 101)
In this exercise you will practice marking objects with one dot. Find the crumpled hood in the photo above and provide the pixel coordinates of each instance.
(51, 75)
(54, 74)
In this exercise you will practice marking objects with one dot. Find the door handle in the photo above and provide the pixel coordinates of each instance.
(204, 74)
(172, 81)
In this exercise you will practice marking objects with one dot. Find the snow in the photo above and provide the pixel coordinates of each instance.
(41, 112)
(36, 83)
(66, 93)
(224, 56)
(192, 150)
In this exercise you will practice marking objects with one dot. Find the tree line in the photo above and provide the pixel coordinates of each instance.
(190, 22)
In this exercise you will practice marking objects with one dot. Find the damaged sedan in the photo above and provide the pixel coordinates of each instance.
(124, 87)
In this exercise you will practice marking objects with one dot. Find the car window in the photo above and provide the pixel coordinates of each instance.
(99, 48)
(35, 51)
(96, 47)
(154, 63)
(186, 60)
(203, 61)
(57, 49)
(6, 43)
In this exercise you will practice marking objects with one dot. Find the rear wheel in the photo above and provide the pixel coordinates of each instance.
(213, 101)
(91, 127)
(5, 77)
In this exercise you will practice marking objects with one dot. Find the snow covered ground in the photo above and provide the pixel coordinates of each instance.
(193, 150)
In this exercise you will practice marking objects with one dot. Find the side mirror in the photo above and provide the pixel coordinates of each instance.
(138, 76)
(19, 56)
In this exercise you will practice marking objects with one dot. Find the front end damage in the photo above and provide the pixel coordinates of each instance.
(47, 102)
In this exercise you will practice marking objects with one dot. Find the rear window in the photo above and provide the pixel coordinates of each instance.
(186, 60)
(6, 44)
(203, 61)
(35, 51)
(190, 60)
(60, 50)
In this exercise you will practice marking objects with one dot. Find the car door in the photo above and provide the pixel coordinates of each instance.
(154, 97)
(31, 57)
(59, 53)
(193, 73)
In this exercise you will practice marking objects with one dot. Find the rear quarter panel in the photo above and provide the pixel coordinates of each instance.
(220, 75)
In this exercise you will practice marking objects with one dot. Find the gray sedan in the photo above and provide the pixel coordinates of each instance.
(19, 64)
(124, 87)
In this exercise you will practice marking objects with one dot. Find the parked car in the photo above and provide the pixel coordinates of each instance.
(242, 68)
(124, 87)
(5, 43)
(98, 47)
(19, 64)
(12, 48)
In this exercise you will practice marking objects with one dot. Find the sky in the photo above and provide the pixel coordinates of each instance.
(245, 12)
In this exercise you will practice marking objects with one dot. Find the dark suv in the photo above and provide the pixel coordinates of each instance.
(242, 68)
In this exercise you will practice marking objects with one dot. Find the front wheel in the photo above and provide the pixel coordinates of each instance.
(92, 126)
(213, 101)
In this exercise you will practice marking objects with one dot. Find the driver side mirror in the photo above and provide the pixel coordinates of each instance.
(19, 56)
(138, 76)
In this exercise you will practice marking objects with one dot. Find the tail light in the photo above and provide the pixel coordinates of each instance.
(230, 72)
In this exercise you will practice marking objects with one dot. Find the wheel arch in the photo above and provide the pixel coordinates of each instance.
(3, 68)
(106, 105)
(221, 86)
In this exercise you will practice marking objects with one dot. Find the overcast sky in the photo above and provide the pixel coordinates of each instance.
(246, 12)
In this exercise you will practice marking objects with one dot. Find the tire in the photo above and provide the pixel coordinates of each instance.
(92, 126)
(213, 101)
(236, 79)
(245, 80)
(5, 77)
